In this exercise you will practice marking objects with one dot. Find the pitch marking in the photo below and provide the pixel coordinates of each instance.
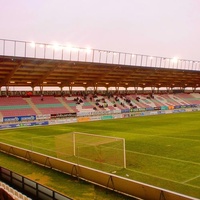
(191, 179)
(173, 159)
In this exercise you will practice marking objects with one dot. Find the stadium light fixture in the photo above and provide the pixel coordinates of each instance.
(49, 46)
(75, 48)
(69, 47)
(88, 50)
(56, 46)
(32, 44)
(174, 59)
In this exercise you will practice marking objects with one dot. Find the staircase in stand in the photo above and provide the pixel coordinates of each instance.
(1, 116)
(33, 106)
(60, 99)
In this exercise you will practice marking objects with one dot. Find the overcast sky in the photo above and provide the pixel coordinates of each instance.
(152, 27)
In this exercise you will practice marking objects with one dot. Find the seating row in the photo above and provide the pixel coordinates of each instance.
(12, 193)
(38, 105)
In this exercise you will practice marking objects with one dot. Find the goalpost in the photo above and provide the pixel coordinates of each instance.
(103, 149)
(90, 148)
(95, 151)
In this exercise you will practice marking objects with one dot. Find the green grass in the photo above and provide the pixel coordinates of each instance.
(162, 150)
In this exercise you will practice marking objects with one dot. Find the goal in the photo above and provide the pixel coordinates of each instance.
(93, 149)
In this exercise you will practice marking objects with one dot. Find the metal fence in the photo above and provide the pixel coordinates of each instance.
(29, 187)
(68, 53)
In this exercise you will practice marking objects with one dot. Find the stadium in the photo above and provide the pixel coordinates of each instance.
(127, 123)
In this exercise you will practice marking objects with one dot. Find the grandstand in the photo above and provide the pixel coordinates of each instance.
(150, 84)
(27, 106)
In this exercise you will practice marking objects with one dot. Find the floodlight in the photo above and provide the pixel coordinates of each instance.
(88, 50)
(68, 47)
(49, 46)
(32, 44)
(174, 59)
(75, 49)
(56, 46)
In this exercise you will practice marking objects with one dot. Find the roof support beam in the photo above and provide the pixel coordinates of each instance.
(7, 79)
(76, 76)
(98, 79)
(41, 80)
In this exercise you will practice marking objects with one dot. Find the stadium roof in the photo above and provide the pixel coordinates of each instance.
(30, 64)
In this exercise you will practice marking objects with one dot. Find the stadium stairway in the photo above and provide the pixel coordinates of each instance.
(60, 99)
(33, 106)
(193, 98)
(1, 116)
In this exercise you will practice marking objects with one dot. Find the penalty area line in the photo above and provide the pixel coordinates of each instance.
(167, 158)
(191, 179)
(162, 178)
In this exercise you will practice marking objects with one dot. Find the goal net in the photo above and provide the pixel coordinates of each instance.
(92, 150)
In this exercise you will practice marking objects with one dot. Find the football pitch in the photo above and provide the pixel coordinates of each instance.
(161, 150)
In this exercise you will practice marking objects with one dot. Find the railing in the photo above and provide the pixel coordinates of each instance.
(29, 187)
(68, 53)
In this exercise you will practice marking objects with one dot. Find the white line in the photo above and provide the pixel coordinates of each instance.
(162, 136)
(163, 178)
(177, 138)
(174, 159)
(191, 179)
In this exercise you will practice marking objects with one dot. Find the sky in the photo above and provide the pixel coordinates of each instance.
(152, 27)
